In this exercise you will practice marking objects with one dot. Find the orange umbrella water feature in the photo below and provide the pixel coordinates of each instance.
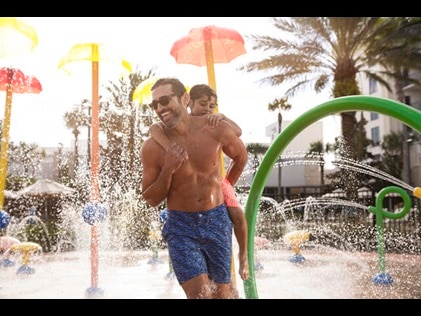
(93, 53)
(209, 45)
(12, 80)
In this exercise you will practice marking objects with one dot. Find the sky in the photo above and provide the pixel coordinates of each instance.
(146, 43)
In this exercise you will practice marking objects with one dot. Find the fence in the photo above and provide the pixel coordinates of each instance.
(340, 223)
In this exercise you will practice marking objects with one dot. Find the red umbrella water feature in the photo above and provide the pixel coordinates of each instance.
(12, 80)
(16, 38)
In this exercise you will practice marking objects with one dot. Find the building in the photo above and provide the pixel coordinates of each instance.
(379, 125)
(300, 175)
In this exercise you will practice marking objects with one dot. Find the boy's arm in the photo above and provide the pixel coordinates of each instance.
(158, 134)
(234, 148)
(214, 119)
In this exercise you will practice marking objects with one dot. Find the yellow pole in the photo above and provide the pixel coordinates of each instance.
(5, 137)
(211, 81)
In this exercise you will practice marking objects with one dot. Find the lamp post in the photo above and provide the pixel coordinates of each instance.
(279, 159)
(406, 168)
(407, 145)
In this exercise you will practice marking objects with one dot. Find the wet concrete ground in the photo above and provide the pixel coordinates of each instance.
(134, 275)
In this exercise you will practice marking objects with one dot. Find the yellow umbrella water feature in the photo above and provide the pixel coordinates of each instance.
(16, 37)
(93, 53)
(143, 94)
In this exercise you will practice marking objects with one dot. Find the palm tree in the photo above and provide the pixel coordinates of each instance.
(256, 149)
(74, 120)
(324, 52)
(317, 150)
(119, 117)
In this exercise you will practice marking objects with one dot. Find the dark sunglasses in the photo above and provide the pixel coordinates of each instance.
(164, 100)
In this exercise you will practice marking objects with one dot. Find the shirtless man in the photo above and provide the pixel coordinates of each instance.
(198, 230)
(203, 102)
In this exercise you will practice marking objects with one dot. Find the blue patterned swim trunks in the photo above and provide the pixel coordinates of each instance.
(200, 243)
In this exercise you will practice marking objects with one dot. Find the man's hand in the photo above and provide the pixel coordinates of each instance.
(175, 157)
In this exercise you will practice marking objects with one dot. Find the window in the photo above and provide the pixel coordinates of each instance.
(374, 116)
(372, 85)
(375, 136)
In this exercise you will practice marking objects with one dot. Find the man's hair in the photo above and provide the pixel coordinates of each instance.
(177, 86)
(199, 90)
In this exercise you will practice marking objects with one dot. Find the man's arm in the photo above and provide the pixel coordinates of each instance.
(158, 167)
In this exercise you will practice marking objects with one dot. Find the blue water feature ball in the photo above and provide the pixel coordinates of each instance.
(163, 216)
(4, 219)
(94, 213)
(383, 279)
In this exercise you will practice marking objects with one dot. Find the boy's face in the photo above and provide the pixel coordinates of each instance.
(203, 106)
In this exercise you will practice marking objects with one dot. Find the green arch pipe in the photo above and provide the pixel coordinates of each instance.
(398, 110)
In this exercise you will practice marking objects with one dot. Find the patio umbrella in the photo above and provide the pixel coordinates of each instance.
(46, 188)
(208, 45)
(16, 37)
(93, 53)
(12, 80)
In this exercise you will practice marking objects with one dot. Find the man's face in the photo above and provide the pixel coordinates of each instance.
(167, 105)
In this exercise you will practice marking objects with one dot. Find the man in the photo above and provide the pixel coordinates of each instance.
(198, 230)
(203, 102)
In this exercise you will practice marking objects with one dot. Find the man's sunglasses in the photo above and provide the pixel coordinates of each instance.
(164, 100)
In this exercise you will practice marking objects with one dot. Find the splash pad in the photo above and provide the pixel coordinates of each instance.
(326, 272)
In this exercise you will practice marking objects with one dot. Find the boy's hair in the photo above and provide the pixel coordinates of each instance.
(199, 90)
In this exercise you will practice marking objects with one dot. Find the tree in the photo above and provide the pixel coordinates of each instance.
(119, 122)
(256, 149)
(24, 164)
(74, 120)
(392, 158)
(324, 52)
(317, 150)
